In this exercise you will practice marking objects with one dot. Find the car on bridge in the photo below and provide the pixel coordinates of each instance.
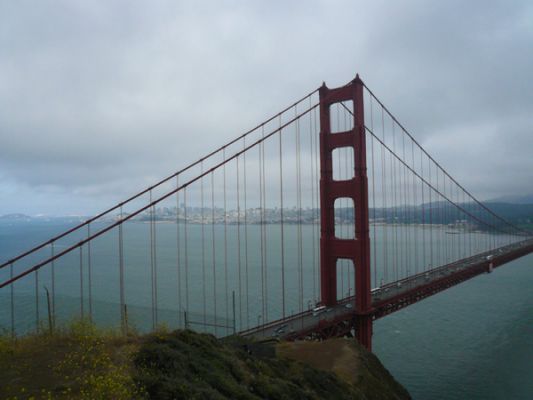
(318, 310)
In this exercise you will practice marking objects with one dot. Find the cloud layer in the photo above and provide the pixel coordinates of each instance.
(99, 99)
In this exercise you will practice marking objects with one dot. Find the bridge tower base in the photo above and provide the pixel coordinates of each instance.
(332, 248)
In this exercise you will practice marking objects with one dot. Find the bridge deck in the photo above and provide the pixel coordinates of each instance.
(340, 319)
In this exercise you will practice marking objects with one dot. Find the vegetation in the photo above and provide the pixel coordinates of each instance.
(191, 366)
(79, 362)
(84, 363)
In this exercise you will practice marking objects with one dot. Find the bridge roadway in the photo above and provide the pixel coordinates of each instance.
(340, 319)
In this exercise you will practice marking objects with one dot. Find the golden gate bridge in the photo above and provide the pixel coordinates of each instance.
(318, 221)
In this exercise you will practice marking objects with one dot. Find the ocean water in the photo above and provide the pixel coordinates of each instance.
(473, 341)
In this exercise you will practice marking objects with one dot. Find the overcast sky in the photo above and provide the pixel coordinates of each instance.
(100, 98)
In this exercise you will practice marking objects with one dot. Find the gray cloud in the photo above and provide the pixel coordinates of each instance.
(98, 99)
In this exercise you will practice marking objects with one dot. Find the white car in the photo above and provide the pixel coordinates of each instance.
(318, 310)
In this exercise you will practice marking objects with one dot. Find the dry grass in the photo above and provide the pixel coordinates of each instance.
(337, 355)
(349, 361)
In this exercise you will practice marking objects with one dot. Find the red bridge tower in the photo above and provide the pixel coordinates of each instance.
(332, 248)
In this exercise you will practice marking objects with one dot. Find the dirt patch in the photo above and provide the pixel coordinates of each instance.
(341, 356)
(349, 361)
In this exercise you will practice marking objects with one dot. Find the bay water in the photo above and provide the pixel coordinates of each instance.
(473, 341)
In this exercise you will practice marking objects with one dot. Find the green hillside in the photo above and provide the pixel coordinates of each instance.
(83, 363)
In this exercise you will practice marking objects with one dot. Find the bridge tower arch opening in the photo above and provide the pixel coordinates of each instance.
(334, 136)
(345, 281)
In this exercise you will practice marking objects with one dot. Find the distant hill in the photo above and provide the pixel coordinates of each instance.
(522, 199)
(42, 219)
(518, 213)
(15, 217)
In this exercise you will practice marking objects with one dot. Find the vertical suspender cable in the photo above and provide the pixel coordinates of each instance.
(467, 235)
(81, 281)
(476, 237)
(406, 229)
(374, 244)
(430, 216)
(12, 300)
(459, 250)
(299, 200)
(89, 271)
(441, 219)
(460, 216)
(239, 243)
(213, 248)
(155, 269)
(414, 205)
(282, 230)
(470, 236)
(399, 227)
(204, 302)
(456, 223)
(394, 189)
(424, 244)
(261, 233)
(488, 235)
(178, 252)
(445, 222)
(394, 235)
(311, 163)
(401, 193)
(400, 213)
(263, 225)
(374, 263)
(464, 226)
(186, 245)
(36, 275)
(454, 220)
(53, 284)
(384, 200)
(437, 217)
(121, 275)
(152, 271)
(246, 239)
(226, 290)
(317, 200)
(448, 220)
(447, 211)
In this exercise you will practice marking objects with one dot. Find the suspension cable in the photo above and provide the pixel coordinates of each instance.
(529, 233)
(157, 184)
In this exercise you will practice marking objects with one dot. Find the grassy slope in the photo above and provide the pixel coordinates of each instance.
(80, 363)
(183, 365)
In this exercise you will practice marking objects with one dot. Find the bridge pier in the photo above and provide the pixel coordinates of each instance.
(363, 330)
(333, 248)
